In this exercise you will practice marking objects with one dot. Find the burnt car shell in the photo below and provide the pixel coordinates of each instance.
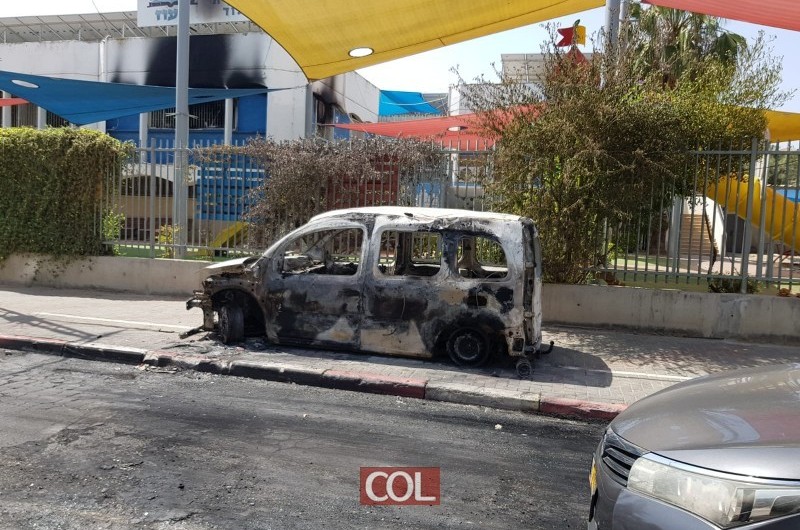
(394, 280)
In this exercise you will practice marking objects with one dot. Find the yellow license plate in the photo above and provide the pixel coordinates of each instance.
(593, 477)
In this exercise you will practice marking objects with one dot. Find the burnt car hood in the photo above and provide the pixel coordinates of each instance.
(231, 266)
(744, 422)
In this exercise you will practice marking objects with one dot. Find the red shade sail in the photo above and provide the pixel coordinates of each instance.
(774, 13)
(464, 129)
(448, 129)
(8, 102)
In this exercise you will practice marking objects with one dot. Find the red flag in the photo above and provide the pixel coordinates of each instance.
(572, 35)
(567, 35)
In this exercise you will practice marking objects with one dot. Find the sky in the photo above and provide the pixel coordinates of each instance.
(432, 71)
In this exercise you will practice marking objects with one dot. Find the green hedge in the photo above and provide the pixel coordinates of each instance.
(51, 189)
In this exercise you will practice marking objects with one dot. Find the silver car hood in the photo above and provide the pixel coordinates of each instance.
(745, 422)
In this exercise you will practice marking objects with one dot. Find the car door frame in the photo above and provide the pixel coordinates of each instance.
(315, 309)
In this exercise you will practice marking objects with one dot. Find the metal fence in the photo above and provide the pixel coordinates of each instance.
(740, 225)
(199, 218)
(738, 230)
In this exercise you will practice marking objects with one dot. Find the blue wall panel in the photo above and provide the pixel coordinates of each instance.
(252, 116)
(223, 191)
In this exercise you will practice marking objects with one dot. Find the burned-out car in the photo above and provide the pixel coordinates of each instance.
(393, 280)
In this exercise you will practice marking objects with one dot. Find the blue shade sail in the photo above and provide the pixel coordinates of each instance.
(84, 102)
(394, 102)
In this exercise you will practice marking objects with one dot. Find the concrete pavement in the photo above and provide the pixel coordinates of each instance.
(591, 373)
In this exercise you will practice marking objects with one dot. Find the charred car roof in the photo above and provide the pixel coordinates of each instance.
(416, 213)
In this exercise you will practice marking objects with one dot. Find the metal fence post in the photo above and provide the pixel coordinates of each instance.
(151, 156)
(762, 224)
(748, 225)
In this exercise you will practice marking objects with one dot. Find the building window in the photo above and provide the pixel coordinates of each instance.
(54, 120)
(27, 116)
(209, 115)
(23, 115)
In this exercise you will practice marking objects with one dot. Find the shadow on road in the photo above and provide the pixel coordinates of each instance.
(75, 292)
(663, 354)
(22, 319)
(594, 372)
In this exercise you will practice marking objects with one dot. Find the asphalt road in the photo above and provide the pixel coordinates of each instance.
(94, 445)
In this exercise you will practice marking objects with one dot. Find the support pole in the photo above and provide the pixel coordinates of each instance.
(624, 18)
(625, 10)
(144, 129)
(41, 118)
(6, 112)
(181, 190)
(227, 137)
(611, 40)
(309, 111)
(612, 26)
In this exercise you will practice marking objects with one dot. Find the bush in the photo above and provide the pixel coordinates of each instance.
(310, 176)
(113, 222)
(728, 285)
(586, 149)
(166, 237)
(52, 182)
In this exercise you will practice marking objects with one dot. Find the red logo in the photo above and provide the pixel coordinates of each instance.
(419, 486)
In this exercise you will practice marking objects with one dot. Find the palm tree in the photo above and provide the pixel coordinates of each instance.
(671, 41)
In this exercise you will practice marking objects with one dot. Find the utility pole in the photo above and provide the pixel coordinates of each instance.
(181, 186)
(612, 26)
(615, 10)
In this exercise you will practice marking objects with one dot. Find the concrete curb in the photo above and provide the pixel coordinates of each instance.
(197, 363)
(375, 383)
(485, 397)
(530, 402)
(575, 408)
(284, 373)
(17, 342)
(87, 350)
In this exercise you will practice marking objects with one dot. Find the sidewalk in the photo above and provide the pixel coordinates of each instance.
(590, 373)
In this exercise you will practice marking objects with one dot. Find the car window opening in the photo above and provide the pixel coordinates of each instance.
(331, 252)
(410, 253)
(481, 257)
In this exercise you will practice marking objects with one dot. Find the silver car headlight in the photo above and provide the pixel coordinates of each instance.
(724, 500)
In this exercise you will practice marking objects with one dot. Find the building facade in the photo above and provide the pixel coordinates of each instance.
(110, 47)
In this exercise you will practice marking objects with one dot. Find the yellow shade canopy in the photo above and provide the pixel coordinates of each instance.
(321, 34)
(783, 126)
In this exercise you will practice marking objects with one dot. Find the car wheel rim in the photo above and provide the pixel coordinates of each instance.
(468, 347)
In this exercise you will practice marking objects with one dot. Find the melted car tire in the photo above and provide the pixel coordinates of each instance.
(468, 347)
(231, 323)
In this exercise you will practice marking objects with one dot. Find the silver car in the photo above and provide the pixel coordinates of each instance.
(720, 451)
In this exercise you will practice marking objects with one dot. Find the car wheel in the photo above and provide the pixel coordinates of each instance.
(231, 323)
(524, 368)
(468, 347)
